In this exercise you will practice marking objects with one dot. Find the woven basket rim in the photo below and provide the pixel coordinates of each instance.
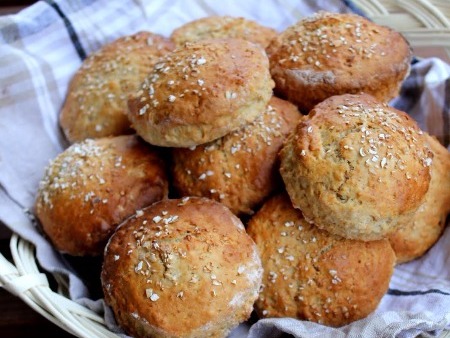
(424, 23)
(24, 280)
(27, 282)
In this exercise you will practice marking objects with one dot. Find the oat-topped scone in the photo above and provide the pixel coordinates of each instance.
(181, 268)
(93, 186)
(415, 237)
(356, 167)
(330, 54)
(201, 92)
(96, 102)
(241, 168)
(214, 27)
(314, 275)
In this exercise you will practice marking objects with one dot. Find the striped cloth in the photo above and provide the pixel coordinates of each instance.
(42, 47)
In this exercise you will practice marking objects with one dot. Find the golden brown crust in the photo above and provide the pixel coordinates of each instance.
(314, 275)
(201, 92)
(96, 102)
(191, 256)
(93, 186)
(218, 27)
(414, 238)
(356, 167)
(241, 168)
(330, 54)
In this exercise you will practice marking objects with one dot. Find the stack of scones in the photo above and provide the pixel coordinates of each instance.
(230, 168)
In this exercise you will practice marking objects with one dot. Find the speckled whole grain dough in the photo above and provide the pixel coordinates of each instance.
(202, 92)
(313, 275)
(356, 167)
(214, 27)
(181, 268)
(330, 54)
(96, 102)
(240, 169)
(92, 186)
(415, 237)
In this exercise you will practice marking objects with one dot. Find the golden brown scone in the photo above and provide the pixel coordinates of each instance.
(93, 186)
(201, 92)
(314, 275)
(218, 27)
(181, 268)
(241, 168)
(96, 102)
(330, 54)
(356, 167)
(414, 238)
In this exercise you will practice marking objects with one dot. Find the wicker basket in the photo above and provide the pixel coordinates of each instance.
(423, 22)
(25, 281)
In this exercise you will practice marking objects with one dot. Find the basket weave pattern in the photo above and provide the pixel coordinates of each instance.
(424, 23)
(25, 281)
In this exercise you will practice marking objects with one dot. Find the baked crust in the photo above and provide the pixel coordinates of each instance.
(331, 53)
(202, 92)
(93, 186)
(414, 238)
(96, 102)
(191, 256)
(218, 27)
(240, 169)
(356, 167)
(313, 275)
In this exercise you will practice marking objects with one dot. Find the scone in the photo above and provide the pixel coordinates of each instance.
(181, 268)
(356, 167)
(201, 92)
(215, 27)
(313, 275)
(330, 54)
(96, 102)
(414, 238)
(241, 168)
(93, 186)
